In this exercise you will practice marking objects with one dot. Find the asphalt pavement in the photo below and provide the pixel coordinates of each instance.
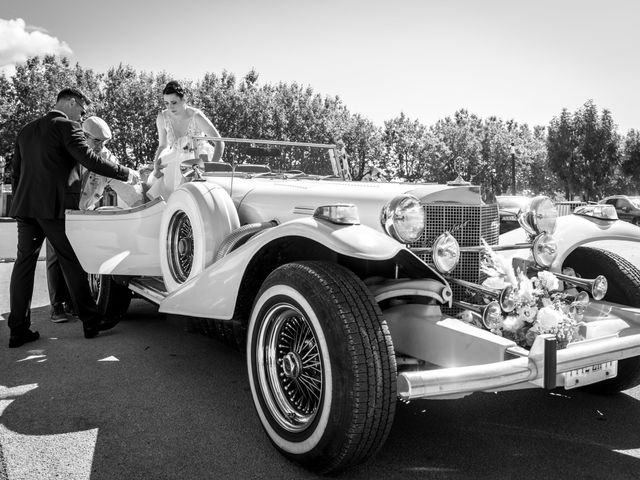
(150, 400)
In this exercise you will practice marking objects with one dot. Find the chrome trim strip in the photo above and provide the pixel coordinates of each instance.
(263, 142)
(154, 295)
(495, 248)
(116, 211)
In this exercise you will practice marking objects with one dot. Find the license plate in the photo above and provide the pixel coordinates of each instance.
(591, 374)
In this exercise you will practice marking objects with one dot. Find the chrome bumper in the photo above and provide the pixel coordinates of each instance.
(540, 367)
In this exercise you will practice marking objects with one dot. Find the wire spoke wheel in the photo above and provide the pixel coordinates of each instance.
(180, 246)
(321, 365)
(95, 284)
(291, 367)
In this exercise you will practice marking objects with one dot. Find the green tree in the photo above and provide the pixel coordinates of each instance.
(459, 148)
(32, 91)
(562, 145)
(629, 177)
(404, 141)
(598, 152)
(363, 143)
(130, 104)
(583, 151)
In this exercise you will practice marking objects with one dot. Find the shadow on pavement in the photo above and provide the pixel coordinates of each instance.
(150, 400)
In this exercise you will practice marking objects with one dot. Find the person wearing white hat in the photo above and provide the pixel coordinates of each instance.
(89, 187)
(98, 133)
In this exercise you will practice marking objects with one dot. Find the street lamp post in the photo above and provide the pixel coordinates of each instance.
(512, 152)
(3, 163)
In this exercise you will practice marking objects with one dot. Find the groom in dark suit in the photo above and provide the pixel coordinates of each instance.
(46, 150)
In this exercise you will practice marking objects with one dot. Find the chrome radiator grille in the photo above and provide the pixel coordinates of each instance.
(468, 224)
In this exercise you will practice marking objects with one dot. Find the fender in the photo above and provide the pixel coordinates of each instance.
(214, 292)
(573, 231)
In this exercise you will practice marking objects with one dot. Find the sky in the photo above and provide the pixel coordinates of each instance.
(425, 58)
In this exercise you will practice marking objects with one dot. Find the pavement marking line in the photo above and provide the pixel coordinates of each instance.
(31, 357)
(109, 359)
(632, 452)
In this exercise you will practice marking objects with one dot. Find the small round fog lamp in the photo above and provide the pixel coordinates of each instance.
(445, 253)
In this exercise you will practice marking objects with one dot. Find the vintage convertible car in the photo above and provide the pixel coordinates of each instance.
(347, 296)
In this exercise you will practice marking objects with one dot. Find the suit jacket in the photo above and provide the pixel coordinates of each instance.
(46, 150)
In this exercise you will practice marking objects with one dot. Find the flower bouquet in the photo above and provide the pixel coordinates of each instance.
(540, 304)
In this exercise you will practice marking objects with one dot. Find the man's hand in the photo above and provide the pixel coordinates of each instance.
(134, 177)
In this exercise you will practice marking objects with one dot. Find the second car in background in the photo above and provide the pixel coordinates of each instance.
(508, 208)
(627, 208)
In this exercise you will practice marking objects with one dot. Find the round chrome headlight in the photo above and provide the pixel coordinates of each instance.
(403, 218)
(545, 250)
(540, 216)
(445, 253)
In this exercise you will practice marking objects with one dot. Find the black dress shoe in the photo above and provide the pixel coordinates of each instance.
(92, 330)
(25, 336)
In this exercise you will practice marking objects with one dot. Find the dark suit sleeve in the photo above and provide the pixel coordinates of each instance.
(16, 166)
(76, 145)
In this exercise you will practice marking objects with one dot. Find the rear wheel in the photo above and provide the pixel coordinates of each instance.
(112, 298)
(321, 366)
(624, 288)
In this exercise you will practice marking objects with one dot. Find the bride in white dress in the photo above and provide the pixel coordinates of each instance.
(176, 125)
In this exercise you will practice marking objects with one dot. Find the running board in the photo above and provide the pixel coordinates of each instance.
(150, 288)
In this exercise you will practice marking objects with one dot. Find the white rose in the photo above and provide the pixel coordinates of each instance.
(495, 282)
(512, 323)
(549, 281)
(548, 318)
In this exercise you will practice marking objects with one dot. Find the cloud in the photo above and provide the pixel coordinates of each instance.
(19, 42)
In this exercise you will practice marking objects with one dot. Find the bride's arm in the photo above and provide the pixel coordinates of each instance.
(205, 125)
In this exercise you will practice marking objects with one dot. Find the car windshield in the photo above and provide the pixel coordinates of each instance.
(277, 158)
(635, 201)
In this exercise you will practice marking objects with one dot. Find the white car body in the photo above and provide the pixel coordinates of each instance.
(256, 220)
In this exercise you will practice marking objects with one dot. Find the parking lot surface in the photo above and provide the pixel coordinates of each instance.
(151, 400)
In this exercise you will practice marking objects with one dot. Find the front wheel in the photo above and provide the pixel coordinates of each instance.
(624, 288)
(321, 366)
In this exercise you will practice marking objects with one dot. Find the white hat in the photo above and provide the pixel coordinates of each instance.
(97, 128)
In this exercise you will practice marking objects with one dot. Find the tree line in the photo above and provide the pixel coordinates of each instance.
(577, 153)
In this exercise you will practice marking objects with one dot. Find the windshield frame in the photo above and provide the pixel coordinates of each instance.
(339, 163)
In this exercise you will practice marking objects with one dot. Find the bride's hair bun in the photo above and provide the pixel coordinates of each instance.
(173, 87)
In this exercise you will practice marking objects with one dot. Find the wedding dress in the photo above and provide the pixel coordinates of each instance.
(177, 151)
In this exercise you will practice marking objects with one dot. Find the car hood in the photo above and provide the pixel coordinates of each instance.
(264, 199)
